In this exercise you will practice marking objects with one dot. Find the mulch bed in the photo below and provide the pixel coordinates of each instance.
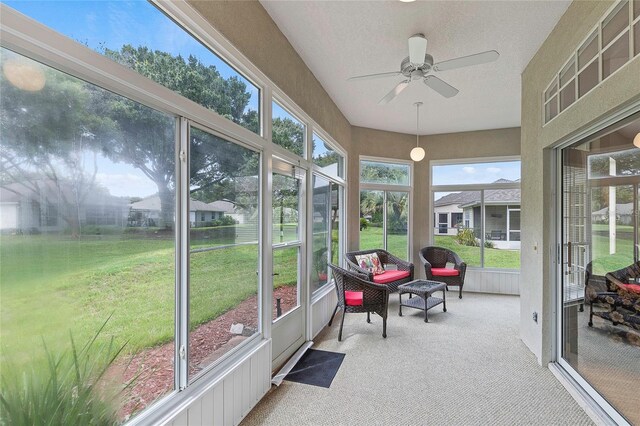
(151, 370)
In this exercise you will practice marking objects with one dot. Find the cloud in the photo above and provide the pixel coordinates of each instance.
(494, 169)
(469, 170)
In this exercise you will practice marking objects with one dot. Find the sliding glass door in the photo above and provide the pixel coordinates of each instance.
(600, 321)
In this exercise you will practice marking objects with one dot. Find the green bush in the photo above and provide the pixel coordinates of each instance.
(364, 223)
(466, 237)
(70, 390)
(488, 244)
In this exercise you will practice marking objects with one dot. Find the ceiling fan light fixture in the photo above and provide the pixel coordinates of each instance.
(417, 49)
(417, 153)
(407, 1)
(636, 140)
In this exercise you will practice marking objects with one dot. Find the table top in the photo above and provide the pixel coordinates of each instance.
(423, 286)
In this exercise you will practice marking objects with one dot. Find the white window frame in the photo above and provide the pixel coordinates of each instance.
(598, 57)
(480, 187)
(390, 188)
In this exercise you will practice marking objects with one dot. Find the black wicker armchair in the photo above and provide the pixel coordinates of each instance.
(621, 297)
(435, 260)
(391, 278)
(357, 295)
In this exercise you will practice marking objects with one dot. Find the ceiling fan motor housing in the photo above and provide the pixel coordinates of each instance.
(408, 69)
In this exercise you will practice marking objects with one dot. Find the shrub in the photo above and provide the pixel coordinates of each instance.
(364, 223)
(488, 244)
(225, 221)
(70, 390)
(466, 237)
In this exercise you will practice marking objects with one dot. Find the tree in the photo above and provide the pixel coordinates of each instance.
(288, 134)
(143, 130)
(50, 142)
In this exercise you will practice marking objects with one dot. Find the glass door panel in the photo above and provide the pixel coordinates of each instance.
(286, 243)
(599, 342)
(285, 281)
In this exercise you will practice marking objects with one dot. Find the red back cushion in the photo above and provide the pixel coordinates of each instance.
(444, 272)
(353, 298)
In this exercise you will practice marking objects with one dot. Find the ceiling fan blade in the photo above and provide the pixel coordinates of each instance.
(445, 89)
(394, 92)
(417, 49)
(466, 61)
(372, 76)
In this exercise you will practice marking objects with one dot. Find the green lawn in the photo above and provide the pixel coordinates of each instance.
(53, 285)
(397, 245)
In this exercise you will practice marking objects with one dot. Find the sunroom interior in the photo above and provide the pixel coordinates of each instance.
(177, 177)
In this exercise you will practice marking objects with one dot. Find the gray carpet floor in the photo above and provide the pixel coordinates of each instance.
(467, 366)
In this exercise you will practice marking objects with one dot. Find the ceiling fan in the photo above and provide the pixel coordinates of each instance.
(419, 65)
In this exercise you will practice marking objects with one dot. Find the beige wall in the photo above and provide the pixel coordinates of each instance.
(252, 31)
(453, 146)
(537, 288)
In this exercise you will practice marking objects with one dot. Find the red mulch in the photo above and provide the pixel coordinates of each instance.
(154, 366)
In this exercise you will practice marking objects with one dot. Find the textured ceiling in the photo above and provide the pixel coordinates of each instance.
(340, 39)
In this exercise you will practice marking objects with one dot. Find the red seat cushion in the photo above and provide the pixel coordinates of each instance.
(444, 272)
(353, 298)
(632, 287)
(390, 276)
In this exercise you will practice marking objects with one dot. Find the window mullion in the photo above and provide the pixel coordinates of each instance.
(482, 227)
(182, 266)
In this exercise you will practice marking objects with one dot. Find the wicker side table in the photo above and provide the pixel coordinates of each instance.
(424, 290)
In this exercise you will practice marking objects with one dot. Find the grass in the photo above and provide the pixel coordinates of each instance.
(53, 285)
(397, 245)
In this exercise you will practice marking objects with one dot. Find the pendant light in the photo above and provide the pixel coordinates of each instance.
(417, 153)
(636, 140)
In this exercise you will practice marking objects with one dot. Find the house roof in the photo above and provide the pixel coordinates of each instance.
(55, 192)
(491, 196)
(152, 203)
(623, 209)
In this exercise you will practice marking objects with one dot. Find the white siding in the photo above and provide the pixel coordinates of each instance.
(491, 281)
(230, 398)
(322, 309)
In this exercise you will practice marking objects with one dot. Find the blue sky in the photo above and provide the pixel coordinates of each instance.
(112, 24)
(457, 174)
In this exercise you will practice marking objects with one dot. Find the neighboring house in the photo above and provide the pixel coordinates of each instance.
(463, 210)
(43, 206)
(623, 212)
(146, 212)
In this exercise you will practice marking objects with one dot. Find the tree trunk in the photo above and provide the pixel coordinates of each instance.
(167, 206)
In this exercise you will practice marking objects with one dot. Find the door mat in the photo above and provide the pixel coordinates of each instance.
(316, 367)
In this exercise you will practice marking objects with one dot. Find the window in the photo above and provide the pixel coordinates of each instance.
(482, 226)
(595, 59)
(287, 131)
(330, 162)
(85, 159)
(127, 241)
(384, 210)
(326, 229)
(134, 34)
(384, 173)
(227, 253)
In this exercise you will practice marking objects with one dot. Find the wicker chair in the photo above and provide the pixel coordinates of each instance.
(435, 260)
(357, 295)
(391, 278)
(620, 298)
